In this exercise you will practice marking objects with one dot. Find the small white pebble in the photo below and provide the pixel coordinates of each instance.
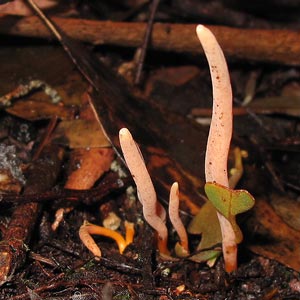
(116, 167)
(112, 221)
(165, 272)
(131, 193)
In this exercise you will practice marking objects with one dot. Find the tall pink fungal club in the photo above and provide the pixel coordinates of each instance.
(154, 213)
(219, 134)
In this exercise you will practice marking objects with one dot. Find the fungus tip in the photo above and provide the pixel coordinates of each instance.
(124, 132)
(199, 28)
(175, 188)
(202, 33)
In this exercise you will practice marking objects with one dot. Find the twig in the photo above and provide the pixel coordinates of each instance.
(249, 44)
(110, 183)
(143, 49)
(45, 140)
(49, 24)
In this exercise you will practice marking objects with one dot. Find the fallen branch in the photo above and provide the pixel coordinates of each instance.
(250, 44)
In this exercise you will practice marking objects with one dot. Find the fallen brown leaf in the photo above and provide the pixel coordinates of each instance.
(272, 237)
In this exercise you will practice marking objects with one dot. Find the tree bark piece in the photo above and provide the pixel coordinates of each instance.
(249, 44)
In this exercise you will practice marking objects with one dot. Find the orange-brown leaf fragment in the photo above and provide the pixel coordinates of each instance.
(91, 165)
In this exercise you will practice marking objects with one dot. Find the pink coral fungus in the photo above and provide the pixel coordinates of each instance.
(220, 134)
(153, 211)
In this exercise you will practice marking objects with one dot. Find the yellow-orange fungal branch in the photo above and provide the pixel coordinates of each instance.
(87, 229)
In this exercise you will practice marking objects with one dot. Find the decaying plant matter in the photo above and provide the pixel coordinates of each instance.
(91, 163)
(42, 174)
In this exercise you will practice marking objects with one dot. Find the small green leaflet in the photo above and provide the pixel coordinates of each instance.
(229, 203)
(206, 223)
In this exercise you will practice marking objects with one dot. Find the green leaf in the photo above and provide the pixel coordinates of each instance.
(229, 203)
(206, 223)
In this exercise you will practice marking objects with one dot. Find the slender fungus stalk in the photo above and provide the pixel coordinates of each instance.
(220, 134)
(183, 248)
(153, 211)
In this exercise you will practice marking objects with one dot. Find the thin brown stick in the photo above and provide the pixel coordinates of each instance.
(145, 44)
(51, 126)
(251, 44)
(109, 184)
